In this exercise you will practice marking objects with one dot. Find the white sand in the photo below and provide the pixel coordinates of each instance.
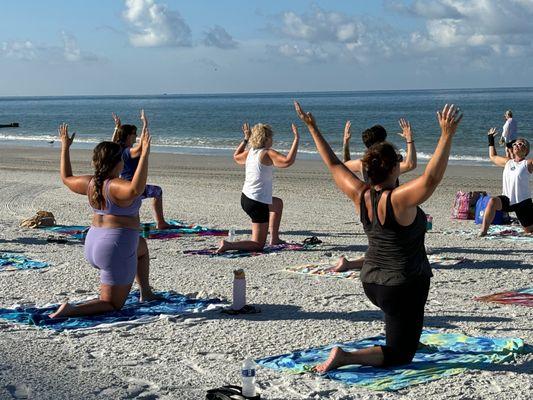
(182, 358)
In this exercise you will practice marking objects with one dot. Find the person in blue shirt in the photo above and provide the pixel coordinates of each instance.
(126, 136)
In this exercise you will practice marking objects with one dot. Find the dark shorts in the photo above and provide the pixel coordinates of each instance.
(152, 191)
(523, 210)
(509, 145)
(257, 211)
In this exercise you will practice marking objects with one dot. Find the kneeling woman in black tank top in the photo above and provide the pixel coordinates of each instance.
(396, 271)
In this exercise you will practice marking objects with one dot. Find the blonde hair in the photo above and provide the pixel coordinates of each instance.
(260, 134)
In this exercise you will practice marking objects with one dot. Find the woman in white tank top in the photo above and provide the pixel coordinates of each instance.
(256, 198)
(516, 195)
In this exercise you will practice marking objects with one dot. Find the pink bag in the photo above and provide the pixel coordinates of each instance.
(465, 204)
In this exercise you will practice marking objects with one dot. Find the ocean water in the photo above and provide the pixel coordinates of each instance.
(210, 124)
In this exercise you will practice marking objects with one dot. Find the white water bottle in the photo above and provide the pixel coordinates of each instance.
(231, 234)
(248, 378)
(239, 290)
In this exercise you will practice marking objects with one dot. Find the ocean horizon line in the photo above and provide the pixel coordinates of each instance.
(310, 92)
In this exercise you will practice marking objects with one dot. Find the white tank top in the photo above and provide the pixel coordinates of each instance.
(258, 181)
(516, 181)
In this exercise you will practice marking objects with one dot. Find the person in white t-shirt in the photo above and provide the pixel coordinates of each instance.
(509, 133)
(256, 197)
(516, 195)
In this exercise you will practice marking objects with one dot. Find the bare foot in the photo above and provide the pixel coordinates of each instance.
(344, 265)
(482, 234)
(149, 296)
(276, 242)
(222, 246)
(164, 225)
(336, 359)
(64, 310)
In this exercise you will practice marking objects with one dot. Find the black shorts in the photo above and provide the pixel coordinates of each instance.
(523, 210)
(509, 145)
(257, 211)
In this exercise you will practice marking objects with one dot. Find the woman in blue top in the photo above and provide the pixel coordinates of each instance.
(396, 272)
(126, 136)
(112, 244)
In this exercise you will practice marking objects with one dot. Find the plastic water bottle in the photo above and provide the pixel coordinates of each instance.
(239, 290)
(248, 378)
(231, 234)
(429, 222)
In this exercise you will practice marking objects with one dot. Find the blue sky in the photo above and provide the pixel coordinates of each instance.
(76, 47)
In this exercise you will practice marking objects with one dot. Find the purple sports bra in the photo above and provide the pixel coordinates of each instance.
(113, 209)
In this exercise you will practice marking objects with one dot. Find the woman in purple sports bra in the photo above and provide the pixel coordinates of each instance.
(112, 244)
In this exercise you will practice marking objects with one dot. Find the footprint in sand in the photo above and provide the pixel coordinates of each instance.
(19, 391)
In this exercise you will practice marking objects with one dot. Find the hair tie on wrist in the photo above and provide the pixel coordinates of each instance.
(412, 141)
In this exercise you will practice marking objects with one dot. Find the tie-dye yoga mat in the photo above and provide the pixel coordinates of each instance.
(212, 251)
(148, 230)
(522, 297)
(327, 270)
(14, 262)
(179, 229)
(440, 355)
(514, 233)
(133, 313)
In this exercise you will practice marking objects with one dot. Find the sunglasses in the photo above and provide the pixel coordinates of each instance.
(522, 144)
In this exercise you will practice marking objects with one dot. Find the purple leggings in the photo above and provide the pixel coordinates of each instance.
(114, 252)
(153, 191)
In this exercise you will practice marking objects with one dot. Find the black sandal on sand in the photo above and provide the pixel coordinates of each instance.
(247, 309)
(56, 239)
(229, 392)
(312, 240)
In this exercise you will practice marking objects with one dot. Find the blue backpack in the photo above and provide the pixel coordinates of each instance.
(500, 218)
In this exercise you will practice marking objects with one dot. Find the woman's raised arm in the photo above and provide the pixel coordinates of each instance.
(418, 190)
(281, 161)
(345, 180)
(77, 184)
(240, 152)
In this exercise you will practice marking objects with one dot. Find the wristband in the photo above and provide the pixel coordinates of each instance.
(245, 141)
(412, 141)
(491, 140)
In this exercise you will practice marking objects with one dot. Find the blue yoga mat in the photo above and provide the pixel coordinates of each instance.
(440, 355)
(133, 312)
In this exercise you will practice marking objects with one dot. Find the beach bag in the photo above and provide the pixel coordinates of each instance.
(464, 205)
(500, 218)
(42, 218)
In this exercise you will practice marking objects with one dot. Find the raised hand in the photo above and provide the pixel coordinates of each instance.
(407, 134)
(246, 130)
(144, 120)
(307, 118)
(449, 118)
(347, 132)
(116, 118)
(146, 140)
(295, 131)
(66, 140)
(492, 131)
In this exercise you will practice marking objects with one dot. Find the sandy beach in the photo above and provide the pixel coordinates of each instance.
(180, 358)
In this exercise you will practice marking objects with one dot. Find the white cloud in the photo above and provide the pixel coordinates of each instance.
(219, 37)
(27, 50)
(20, 50)
(303, 53)
(154, 25)
(320, 26)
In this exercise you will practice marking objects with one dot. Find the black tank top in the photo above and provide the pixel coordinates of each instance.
(396, 253)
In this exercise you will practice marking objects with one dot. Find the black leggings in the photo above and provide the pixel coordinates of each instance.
(403, 306)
